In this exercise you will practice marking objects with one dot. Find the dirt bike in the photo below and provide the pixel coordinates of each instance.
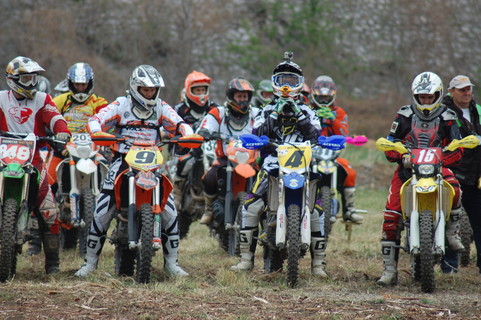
(79, 177)
(17, 151)
(235, 180)
(141, 193)
(192, 205)
(290, 201)
(426, 201)
(328, 167)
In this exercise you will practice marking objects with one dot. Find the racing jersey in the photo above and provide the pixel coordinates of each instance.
(77, 114)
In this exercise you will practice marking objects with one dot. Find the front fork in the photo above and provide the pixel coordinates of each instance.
(281, 225)
(74, 197)
(439, 218)
(132, 225)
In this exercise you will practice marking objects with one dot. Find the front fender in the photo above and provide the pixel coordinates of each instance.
(86, 166)
(293, 180)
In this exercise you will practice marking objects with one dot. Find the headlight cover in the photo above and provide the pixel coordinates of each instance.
(426, 169)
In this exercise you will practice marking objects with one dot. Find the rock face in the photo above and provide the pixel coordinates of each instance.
(394, 40)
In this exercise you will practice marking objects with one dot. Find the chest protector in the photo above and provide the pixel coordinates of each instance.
(423, 133)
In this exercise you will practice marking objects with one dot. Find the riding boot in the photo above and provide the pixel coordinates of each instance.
(208, 212)
(179, 183)
(390, 256)
(35, 244)
(51, 247)
(318, 254)
(247, 250)
(452, 231)
(94, 247)
(349, 213)
(170, 248)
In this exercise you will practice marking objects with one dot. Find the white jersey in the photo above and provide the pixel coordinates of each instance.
(118, 117)
(216, 121)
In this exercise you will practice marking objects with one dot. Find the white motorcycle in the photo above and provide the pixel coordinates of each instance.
(79, 177)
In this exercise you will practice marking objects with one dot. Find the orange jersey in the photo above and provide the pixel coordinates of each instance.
(337, 126)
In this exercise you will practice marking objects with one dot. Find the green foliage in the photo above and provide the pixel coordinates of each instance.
(307, 29)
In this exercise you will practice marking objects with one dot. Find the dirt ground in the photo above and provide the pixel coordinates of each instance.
(214, 292)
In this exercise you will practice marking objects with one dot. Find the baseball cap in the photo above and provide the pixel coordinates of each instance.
(459, 82)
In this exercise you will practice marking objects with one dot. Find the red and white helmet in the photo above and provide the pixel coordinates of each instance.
(22, 76)
(323, 91)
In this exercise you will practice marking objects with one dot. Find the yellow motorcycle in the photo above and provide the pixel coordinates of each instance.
(426, 201)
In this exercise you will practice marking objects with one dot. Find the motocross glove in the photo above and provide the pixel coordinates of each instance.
(406, 160)
(325, 113)
(63, 136)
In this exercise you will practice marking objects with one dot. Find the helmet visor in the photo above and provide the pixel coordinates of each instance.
(323, 99)
(286, 79)
(28, 79)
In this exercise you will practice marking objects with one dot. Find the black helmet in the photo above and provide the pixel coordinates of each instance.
(287, 78)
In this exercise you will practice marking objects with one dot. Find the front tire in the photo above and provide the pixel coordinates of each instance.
(326, 201)
(145, 251)
(87, 206)
(293, 244)
(426, 258)
(8, 255)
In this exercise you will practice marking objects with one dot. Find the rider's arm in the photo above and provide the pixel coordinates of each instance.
(340, 125)
(309, 124)
(210, 124)
(172, 122)
(106, 119)
(51, 118)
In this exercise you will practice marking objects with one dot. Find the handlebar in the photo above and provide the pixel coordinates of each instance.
(21, 135)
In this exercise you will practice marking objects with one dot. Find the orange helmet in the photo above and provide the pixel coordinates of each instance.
(198, 102)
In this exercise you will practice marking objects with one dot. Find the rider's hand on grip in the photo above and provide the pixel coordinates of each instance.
(325, 113)
(406, 160)
(63, 136)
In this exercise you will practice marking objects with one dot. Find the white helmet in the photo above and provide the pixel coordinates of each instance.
(22, 76)
(427, 83)
(80, 73)
(145, 76)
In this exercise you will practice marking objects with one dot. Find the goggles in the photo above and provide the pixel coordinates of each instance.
(287, 79)
(28, 79)
(323, 99)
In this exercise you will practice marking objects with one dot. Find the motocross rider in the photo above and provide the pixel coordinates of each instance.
(427, 113)
(76, 106)
(35, 244)
(23, 110)
(334, 122)
(193, 108)
(264, 93)
(233, 119)
(139, 114)
(286, 118)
